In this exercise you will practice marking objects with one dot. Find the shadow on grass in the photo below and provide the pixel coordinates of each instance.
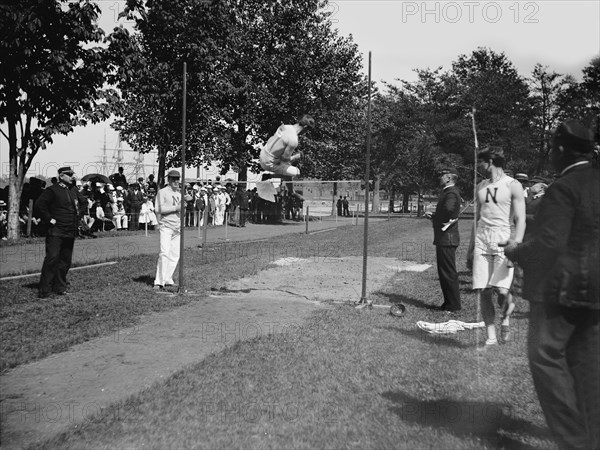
(33, 285)
(282, 223)
(520, 315)
(430, 338)
(232, 291)
(465, 278)
(491, 423)
(399, 298)
(144, 279)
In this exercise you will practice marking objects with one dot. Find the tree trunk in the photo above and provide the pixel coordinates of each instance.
(243, 173)
(544, 153)
(239, 145)
(15, 188)
(392, 199)
(376, 202)
(162, 153)
(333, 205)
(405, 197)
(420, 203)
(15, 180)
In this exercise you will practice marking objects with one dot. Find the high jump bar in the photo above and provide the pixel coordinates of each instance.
(334, 181)
(286, 181)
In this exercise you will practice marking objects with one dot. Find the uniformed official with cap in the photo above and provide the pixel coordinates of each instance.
(562, 262)
(58, 207)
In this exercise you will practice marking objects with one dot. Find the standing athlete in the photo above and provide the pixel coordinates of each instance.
(497, 196)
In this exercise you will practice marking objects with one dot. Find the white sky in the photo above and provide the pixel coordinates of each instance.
(402, 36)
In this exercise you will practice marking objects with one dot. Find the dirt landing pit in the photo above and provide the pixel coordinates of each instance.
(323, 279)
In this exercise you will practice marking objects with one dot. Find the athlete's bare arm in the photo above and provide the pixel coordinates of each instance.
(518, 207)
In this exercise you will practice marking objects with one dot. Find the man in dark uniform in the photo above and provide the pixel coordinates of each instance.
(562, 272)
(59, 209)
(446, 238)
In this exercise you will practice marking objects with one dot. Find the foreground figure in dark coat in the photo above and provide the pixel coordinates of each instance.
(562, 270)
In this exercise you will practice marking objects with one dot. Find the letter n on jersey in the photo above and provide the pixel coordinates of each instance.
(489, 194)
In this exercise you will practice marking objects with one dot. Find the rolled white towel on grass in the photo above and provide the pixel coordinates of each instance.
(449, 327)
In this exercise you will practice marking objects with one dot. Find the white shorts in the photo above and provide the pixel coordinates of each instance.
(490, 265)
(278, 168)
(281, 169)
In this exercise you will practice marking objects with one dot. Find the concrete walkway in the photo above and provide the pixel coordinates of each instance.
(60, 392)
(28, 258)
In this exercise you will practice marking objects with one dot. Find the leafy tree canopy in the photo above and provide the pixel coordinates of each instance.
(55, 65)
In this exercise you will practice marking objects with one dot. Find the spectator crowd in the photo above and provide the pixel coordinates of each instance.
(112, 204)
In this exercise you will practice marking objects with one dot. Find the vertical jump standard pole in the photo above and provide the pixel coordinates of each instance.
(363, 298)
(204, 230)
(475, 151)
(306, 217)
(182, 184)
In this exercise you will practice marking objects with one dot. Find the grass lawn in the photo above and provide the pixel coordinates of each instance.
(106, 299)
(346, 379)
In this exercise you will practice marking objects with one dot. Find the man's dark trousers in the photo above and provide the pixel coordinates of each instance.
(59, 253)
(243, 216)
(446, 241)
(564, 353)
(446, 263)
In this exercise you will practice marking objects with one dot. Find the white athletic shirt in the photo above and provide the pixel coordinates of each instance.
(167, 196)
(495, 202)
(281, 145)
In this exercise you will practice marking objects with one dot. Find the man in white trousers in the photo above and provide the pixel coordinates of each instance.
(168, 210)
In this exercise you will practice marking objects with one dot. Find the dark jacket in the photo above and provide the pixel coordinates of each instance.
(561, 262)
(448, 207)
(242, 199)
(190, 204)
(531, 207)
(134, 201)
(152, 185)
(82, 201)
(200, 205)
(118, 180)
(59, 202)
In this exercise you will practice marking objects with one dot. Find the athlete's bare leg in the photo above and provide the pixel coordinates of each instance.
(489, 315)
(507, 305)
